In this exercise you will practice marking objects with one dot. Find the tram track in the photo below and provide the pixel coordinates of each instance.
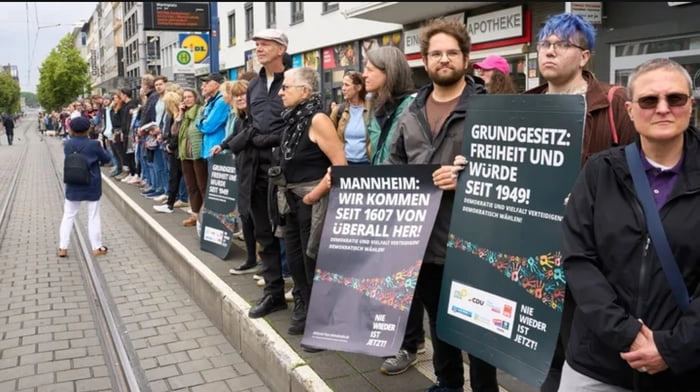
(121, 362)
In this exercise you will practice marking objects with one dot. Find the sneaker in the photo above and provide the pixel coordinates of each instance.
(257, 277)
(399, 363)
(438, 388)
(239, 235)
(128, 178)
(161, 198)
(181, 204)
(62, 252)
(288, 295)
(163, 208)
(260, 282)
(421, 348)
(245, 268)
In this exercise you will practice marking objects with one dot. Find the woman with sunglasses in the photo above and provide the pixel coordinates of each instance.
(351, 118)
(629, 331)
(309, 146)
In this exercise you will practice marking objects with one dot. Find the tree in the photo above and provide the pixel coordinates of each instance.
(29, 99)
(63, 76)
(9, 94)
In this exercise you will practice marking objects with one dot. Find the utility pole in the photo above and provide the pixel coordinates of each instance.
(214, 37)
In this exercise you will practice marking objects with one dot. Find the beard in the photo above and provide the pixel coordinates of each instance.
(445, 79)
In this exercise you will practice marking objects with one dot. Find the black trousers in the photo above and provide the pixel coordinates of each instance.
(296, 237)
(248, 228)
(118, 153)
(415, 333)
(447, 359)
(269, 244)
(174, 178)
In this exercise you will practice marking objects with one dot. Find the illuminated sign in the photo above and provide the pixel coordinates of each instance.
(176, 16)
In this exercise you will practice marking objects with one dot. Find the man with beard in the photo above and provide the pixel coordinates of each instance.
(431, 131)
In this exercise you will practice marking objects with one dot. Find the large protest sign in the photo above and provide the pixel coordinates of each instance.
(219, 210)
(503, 288)
(374, 237)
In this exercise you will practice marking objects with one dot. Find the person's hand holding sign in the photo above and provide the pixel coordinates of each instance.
(446, 176)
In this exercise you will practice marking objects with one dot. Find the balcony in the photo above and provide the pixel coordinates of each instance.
(406, 12)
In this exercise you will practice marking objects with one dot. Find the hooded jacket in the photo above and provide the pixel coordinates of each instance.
(413, 143)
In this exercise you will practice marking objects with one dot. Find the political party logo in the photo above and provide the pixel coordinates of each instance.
(197, 44)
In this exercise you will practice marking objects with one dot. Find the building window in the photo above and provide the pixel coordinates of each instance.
(271, 14)
(297, 12)
(330, 6)
(232, 29)
(249, 25)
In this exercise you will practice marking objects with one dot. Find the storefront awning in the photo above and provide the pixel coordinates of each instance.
(407, 12)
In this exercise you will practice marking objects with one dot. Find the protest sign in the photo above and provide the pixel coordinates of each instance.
(218, 212)
(374, 237)
(503, 287)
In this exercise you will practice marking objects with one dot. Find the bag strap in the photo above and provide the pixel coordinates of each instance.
(611, 117)
(656, 231)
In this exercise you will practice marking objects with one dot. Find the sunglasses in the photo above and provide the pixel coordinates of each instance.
(673, 100)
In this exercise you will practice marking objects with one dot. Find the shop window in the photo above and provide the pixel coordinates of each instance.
(657, 46)
(330, 7)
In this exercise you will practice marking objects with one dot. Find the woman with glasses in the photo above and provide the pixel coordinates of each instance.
(629, 331)
(309, 146)
(389, 78)
(351, 118)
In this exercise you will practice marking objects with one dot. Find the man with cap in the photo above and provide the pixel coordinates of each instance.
(264, 111)
(91, 193)
(495, 71)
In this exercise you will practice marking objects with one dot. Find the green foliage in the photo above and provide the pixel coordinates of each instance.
(9, 94)
(30, 99)
(63, 76)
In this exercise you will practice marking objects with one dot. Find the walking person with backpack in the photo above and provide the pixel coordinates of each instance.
(81, 174)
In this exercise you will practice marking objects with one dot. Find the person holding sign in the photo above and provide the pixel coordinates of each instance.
(431, 130)
(564, 50)
(308, 147)
(631, 264)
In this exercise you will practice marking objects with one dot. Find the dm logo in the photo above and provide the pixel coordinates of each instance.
(197, 44)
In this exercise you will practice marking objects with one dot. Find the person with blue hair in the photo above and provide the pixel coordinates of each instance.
(564, 48)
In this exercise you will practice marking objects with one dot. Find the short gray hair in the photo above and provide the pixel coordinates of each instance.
(306, 76)
(653, 65)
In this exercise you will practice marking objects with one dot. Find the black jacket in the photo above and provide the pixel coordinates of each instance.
(246, 161)
(615, 282)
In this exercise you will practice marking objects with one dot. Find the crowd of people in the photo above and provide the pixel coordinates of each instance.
(621, 330)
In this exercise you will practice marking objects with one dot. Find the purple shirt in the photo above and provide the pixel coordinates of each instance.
(661, 181)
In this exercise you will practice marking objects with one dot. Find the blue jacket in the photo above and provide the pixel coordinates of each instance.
(96, 155)
(212, 123)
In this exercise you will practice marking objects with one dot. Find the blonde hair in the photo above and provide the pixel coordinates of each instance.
(233, 88)
(172, 101)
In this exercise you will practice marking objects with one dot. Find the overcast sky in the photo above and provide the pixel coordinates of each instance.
(28, 32)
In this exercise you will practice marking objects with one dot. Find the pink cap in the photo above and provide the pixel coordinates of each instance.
(494, 62)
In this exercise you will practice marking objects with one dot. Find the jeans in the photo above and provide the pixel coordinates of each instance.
(10, 136)
(447, 359)
(175, 179)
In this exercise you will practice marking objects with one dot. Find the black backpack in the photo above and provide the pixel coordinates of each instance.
(76, 170)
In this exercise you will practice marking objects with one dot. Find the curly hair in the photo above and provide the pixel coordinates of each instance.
(500, 83)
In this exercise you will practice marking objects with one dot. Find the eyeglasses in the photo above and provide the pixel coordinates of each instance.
(451, 55)
(285, 87)
(559, 46)
(673, 100)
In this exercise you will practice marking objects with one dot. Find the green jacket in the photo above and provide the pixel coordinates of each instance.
(378, 155)
(190, 138)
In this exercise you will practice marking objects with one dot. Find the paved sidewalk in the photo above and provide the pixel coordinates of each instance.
(341, 371)
(48, 339)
